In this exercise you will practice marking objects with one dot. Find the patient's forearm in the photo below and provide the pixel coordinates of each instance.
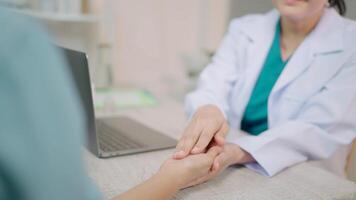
(158, 187)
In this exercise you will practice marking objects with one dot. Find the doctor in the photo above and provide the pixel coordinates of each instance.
(287, 80)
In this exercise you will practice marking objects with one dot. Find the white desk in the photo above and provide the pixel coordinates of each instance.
(116, 175)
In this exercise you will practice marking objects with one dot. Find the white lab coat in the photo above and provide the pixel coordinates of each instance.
(312, 107)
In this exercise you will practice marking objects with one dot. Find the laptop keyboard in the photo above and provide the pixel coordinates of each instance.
(111, 140)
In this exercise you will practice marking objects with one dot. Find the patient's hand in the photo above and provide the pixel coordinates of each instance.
(191, 168)
(230, 155)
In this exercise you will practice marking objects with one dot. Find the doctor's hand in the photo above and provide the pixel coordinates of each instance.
(184, 171)
(231, 154)
(207, 126)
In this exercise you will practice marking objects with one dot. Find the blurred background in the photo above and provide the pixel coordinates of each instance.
(143, 52)
(158, 45)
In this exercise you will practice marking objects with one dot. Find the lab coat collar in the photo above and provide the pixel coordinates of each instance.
(263, 29)
(325, 38)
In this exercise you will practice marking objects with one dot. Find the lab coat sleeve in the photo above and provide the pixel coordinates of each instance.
(216, 80)
(325, 124)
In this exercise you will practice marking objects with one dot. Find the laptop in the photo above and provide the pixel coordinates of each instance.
(111, 136)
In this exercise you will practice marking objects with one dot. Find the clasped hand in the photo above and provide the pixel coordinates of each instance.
(201, 153)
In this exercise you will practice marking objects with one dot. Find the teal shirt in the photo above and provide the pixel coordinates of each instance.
(41, 123)
(255, 119)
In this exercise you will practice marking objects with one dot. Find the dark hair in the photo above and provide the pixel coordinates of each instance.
(340, 5)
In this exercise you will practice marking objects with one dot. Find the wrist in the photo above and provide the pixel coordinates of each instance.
(241, 156)
(245, 157)
(233, 151)
(174, 180)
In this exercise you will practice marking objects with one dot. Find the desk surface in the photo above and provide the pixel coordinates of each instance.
(116, 175)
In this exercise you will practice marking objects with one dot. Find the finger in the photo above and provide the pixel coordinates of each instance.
(186, 130)
(214, 152)
(204, 140)
(221, 134)
(219, 162)
(212, 144)
(179, 153)
(186, 144)
(216, 165)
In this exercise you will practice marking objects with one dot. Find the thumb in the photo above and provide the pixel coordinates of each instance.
(219, 162)
(221, 135)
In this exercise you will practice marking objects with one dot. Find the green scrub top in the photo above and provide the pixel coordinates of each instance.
(255, 119)
(41, 121)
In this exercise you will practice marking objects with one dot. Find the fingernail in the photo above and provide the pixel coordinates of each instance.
(216, 166)
(178, 154)
(221, 140)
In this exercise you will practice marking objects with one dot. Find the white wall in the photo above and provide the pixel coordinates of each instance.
(77, 36)
(351, 9)
(242, 7)
(148, 38)
(152, 35)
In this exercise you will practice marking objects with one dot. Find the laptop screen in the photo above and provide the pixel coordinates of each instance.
(79, 68)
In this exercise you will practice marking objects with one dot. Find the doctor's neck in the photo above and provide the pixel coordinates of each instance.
(298, 29)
